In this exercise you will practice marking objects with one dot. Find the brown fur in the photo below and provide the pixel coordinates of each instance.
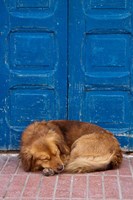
(70, 146)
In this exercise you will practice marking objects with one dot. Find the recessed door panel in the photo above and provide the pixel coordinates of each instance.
(33, 58)
(100, 66)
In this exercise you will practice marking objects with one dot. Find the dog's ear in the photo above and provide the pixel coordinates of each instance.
(64, 149)
(57, 138)
(26, 159)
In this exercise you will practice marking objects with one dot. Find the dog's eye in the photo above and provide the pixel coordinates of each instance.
(45, 158)
(56, 152)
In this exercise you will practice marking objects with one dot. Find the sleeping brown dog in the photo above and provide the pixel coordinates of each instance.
(69, 146)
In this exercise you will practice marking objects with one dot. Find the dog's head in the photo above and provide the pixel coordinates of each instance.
(45, 154)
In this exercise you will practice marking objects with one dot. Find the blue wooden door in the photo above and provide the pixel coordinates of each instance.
(33, 76)
(101, 65)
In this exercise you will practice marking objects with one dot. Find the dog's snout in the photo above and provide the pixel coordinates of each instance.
(60, 167)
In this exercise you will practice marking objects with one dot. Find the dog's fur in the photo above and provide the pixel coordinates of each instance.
(69, 146)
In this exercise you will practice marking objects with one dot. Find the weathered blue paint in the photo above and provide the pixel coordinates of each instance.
(63, 59)
(100, 65)
(33, 71)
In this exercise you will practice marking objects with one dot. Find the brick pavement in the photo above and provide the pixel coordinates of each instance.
(16, 184)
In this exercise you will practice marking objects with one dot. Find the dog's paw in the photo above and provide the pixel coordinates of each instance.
(48, 172)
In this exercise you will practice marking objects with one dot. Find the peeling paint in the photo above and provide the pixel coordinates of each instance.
(33, 72)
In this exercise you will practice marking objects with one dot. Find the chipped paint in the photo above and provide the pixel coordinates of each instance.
(100, 49)
(33, 72)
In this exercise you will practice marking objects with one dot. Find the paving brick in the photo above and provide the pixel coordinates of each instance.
(131, 160)
(11, 165)
(100, 199)
(125, 168)
(28, 198)
(20, 170)
(3, 160)
(79, 189)
(4, 182)
(100, 173)
(32, 185)
(95, 187)
(63, 186)
(47, 187)
(77, 199)
(11, 198)
(47, 199)
(16, 186)
(111, 187)
(19, 198)
(126, 184)
(131, 165)
(111, 172)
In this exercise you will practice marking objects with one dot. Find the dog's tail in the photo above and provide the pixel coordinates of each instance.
(91, 163)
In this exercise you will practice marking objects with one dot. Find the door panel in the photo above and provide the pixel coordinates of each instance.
(100, 65)
(33, 76)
